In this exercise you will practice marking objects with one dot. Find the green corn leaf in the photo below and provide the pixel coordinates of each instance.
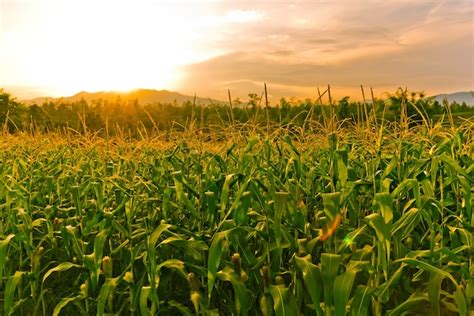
(157, 233)
(383, 291)
(434, 288)
(460, 300)
(64, 266)
(3, 254)
(182, 197)
(312, 280)
(331, 203)
(361, 301)
(225, 194)
(242, 294)
(218, 245)
(453, 164)
(283, 301)
(105, 291)
(382, 231)
(64, 302)
(413, 303)
(470, 288)
(10, 289)
(342, 290)
(350, 237)
(427, 267)
(409, 184)
(215, 254)
(144, 294)
(407, 222)
(281, 199)
(383, 203)
(93, 267)
(99, 244)
(390, 167)
(342, 173)
(329, 267)
(181, 308)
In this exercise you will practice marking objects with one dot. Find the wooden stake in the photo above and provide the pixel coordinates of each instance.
(267, 107)
(365, 107)
(374, 107)
(230, 104)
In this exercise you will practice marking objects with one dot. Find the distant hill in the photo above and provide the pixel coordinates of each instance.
(143, 96)
(459, 97)
(149, 96)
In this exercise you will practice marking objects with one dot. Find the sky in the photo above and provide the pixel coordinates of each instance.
(60, 47)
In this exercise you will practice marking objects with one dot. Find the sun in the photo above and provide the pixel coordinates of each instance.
(123, 53)
(103, 45)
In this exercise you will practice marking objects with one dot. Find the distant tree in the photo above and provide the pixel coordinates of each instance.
(236, 102)
(38, 118)
(11, 112)
(254, 100)
(343, 110)
(436, 108)
(125, 116)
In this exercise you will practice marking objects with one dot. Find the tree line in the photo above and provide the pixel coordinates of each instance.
(129, 116)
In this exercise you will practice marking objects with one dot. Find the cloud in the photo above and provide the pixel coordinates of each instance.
(209, 46)
(422, 44)
(233, 16)
(410, 67)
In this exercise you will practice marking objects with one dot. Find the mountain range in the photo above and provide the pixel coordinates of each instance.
(148, 96)
(143, 96)
(459, 97)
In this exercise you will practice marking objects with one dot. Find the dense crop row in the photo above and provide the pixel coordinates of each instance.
(323, 226)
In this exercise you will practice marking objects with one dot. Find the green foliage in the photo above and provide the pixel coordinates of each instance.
(127, 117)
(120, 226)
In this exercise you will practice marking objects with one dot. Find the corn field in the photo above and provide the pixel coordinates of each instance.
(351, 222)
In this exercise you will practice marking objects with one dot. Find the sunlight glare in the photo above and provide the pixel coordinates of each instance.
(106, 45)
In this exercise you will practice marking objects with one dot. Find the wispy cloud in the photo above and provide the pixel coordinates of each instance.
(422, 44)
(209, 46)
(232, 16)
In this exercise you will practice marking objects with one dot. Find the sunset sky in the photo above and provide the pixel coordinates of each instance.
(61, 47)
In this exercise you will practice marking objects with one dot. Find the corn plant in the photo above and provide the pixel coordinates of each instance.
(339, 222)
